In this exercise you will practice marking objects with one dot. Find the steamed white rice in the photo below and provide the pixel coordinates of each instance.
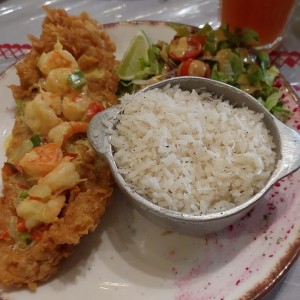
(191, 152)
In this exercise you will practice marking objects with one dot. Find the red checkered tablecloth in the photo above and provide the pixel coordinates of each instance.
(281, 58)
(8, 51)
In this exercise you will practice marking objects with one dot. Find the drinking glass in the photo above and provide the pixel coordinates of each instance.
(267, 17)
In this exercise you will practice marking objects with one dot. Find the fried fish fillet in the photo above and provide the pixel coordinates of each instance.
(33, 260)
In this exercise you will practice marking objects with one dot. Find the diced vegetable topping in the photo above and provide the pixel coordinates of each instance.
(23, 194)
(25, 237)
(36, 140)
(93, 109)
(77, 79)
(21, 225)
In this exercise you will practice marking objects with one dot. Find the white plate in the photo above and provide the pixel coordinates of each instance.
(130, 258)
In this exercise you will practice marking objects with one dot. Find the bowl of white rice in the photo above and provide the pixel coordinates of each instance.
(192, 154)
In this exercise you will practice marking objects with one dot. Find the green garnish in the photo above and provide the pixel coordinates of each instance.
(36, 140)
(26, 237)
(77, 79)
(23, 194)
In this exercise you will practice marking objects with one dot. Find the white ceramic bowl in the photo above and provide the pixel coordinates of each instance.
(287, 143)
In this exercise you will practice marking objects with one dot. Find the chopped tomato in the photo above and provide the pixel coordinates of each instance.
(193, 67)
(21, 225)
(93, 109)
(184, 48)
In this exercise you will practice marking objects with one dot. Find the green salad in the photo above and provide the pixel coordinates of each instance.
(219, 54)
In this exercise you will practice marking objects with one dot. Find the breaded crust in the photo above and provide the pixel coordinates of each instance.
(86, 202)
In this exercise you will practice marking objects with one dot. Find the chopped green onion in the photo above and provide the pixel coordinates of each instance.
(77, 79)
(23, 194)
(36, 140)
(26, 237)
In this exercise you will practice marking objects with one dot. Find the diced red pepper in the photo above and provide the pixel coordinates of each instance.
(93, 109)
(21, 225)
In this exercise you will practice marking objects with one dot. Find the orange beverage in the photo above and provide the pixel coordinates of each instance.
(267, 17)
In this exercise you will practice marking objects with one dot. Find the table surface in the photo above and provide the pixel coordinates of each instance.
(18, 18)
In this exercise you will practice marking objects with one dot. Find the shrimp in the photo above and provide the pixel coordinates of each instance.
(39, 116)
(53, 101)
(44, 201)
(41, 192)
(35, 212)
(57, 81)
(41, 160)
(60, 133)
(63, 177)
(75, 107)
(58, 58)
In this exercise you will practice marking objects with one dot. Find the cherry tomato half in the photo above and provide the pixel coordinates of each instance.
(193, 67)
(183, 48)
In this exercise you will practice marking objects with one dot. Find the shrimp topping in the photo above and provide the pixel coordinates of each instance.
(39, 116)
(63, 177)
(45, 201)
(57, 81)
(52, 100)
(41, 160)
(35, 212)
(58, 58)
(62, 132)
(75, 107)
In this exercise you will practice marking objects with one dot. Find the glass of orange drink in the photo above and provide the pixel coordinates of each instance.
(267, 17)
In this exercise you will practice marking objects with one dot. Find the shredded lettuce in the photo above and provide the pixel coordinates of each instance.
(272, 101)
